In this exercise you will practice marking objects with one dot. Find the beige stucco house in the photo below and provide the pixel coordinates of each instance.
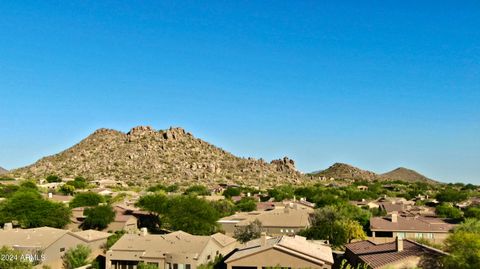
(177, 250)
(288, 220)
(385, 229)
(52, 243)
(282, 251)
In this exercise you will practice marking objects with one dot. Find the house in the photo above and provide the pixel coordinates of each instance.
(103, 183)
(401, 253)
(282, 251)
(288, 220)
(362, 188)
(365, 203)
(387, 228)
(52, 187)
(175, 250)
(48, 245)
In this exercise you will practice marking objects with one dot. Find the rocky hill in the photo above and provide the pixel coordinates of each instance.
(144, 156)
(405, 174)
(3, 170)
(346, 171)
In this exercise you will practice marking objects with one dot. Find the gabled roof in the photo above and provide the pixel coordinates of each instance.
(35, 237)
(417, 223)
(282, 218)
(297, 246)
(44, 236)
(153, 245)
(91, 235)
(379, 255)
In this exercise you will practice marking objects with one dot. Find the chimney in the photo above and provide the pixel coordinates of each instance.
(399, 244)
(8, 226)
(263, 239)
(394, 217)
(143, 231)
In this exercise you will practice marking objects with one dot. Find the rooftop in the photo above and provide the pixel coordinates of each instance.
(415, 223)
(297, 246)
(379, 255)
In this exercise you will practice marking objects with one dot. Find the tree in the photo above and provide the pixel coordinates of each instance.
(28, 184)
(249, 232)
(229, 192)
(224, 207)
(464, 246)
(30, 210)
(451, 195)
(281, 193)
(198, 190)
(334, 224)
(98, 217)
(76, 257)
(446, 210)
(246, 204)
(353, 230)
(53, 178)
(183, 212)
(111, 240)
(86, 199)
(78, 183)
(192, 215)
(464, 249)
(472, 212)
(67, 189)
(155, 203)
(10, 258)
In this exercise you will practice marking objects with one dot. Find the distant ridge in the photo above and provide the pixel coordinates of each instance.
(144, 156)
(3, 170)
(406, 174)
(349, 172)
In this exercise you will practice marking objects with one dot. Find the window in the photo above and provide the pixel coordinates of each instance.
(175, 266)
(187, 266)
(62, 249)
(208, 257)
(418, 235)
(401, 235)
(281, 230)
(428, 235)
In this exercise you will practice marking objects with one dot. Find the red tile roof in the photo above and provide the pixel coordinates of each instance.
(379, 255)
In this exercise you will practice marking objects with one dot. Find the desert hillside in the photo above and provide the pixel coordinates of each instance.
(144, 155)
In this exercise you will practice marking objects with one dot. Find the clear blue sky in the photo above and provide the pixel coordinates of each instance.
(377, 84)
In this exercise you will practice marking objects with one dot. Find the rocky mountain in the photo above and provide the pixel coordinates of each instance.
(405, 174)
(144, 156)
(346, 171)
(3, 170)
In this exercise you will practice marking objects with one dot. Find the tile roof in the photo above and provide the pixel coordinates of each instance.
(35, 237)
(156, 246)
(92, 235)
(417, 223)
(279, 217)
(297, 246)
(379, 255)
